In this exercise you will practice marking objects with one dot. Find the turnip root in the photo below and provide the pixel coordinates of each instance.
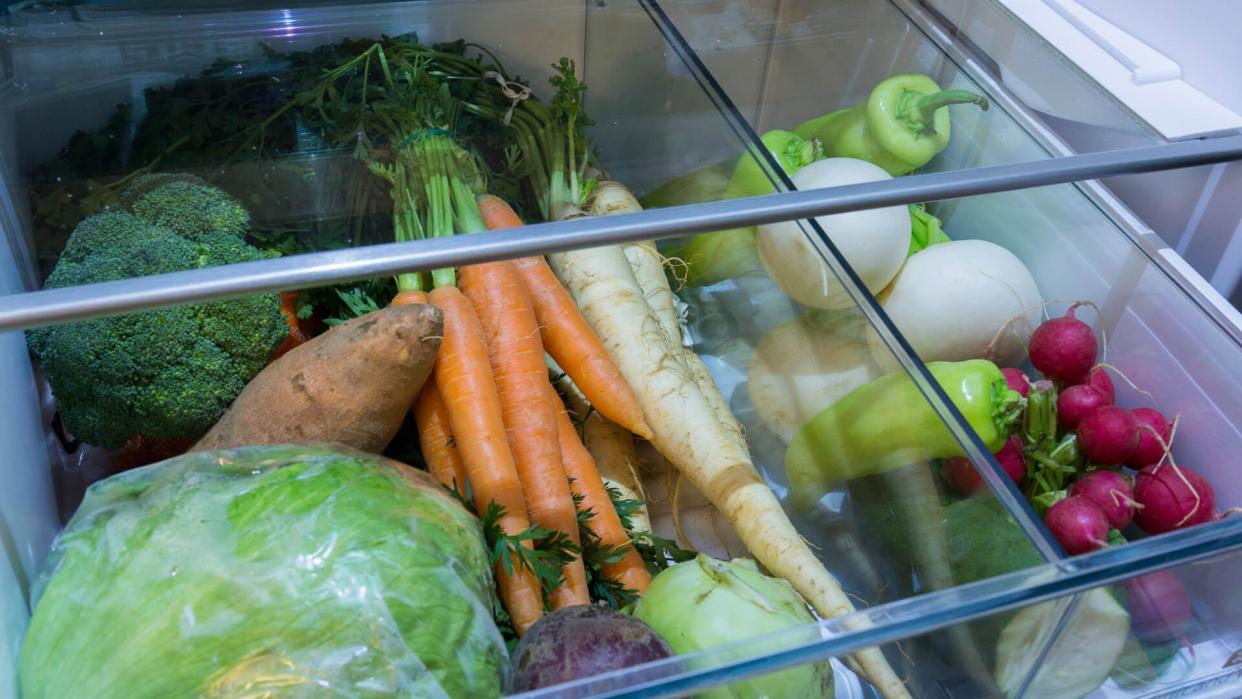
(1155, 432)
(1076, 402)
(874, 242)
(965, 299)
(1111, 492)
(805, 365)
(695, 430)
(1108, 435)
(1172, 497)
(1064, 348)
(352, 385)
(1078, 525)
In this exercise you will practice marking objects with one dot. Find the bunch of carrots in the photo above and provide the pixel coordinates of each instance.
(490, 423)
(490, 415)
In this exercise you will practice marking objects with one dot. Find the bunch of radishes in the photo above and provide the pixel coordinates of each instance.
(1161, 497)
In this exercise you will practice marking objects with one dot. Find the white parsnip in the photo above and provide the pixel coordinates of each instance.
(688, 417)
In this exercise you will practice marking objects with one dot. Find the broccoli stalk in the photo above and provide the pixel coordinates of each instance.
(168, 373)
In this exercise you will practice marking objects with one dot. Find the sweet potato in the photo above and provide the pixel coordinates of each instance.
(352, 385)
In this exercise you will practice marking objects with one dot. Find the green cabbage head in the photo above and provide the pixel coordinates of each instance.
(265, 572)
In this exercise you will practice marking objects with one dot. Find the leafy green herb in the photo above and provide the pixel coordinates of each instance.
(546, 556)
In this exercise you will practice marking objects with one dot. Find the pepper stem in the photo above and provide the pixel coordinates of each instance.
(1008, 406)
(918, 110)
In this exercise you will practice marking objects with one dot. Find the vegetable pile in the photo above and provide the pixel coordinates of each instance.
(528, 389)
(522, 386)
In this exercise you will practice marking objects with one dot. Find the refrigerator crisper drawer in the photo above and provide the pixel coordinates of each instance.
(956, 594)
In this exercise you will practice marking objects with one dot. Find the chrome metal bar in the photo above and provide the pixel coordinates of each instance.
(323, 268)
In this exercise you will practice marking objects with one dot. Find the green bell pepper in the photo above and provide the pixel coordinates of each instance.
(900, 126)
(888, 423)
(925, 230)
(720, 255)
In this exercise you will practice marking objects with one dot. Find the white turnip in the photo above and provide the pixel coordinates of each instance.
(874, 242)
(1172, 497)
(1111, 492)
(1108, 435)
(1064, 348)
(1158, 605)
(965, 299)
(1078, 525)
(1076, 402)
(1154, 434)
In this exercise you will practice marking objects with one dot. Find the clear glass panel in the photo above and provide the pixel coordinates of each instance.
(1150, 633)
(881, 504)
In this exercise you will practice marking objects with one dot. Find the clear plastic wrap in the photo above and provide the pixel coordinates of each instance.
(295, 571)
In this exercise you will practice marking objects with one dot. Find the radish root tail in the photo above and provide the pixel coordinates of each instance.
(1123, 377)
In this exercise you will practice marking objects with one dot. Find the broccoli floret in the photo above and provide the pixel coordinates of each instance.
(191, 209)
(166, 373)
(152, 180)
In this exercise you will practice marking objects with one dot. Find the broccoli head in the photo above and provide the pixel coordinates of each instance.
(191, 209)
(166, 373)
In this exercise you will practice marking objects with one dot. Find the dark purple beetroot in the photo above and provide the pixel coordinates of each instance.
(582, 641)
(1150, 449)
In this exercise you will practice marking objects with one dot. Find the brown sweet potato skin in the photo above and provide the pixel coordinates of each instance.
(351, 385)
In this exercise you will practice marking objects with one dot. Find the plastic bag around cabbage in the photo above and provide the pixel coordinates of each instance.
(288, 571)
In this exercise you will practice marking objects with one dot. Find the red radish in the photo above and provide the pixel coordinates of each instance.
(1010, 459)
(1154, 433)
(962, 476)
(1076, 402)
(1158, 605)
(1078, 524)
(1017, 380)
(1172, 497)
(1111, 492)
(1099, 379)
(1063, 348)
(1108, 435)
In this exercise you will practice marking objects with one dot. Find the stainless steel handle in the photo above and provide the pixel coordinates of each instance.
(53, 306)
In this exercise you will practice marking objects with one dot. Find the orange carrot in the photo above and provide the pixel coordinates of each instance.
(435, 436)
(408, 297)
(521, 374)
(566, 334)
(630, 571)
(296, 336)
(464, 378)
